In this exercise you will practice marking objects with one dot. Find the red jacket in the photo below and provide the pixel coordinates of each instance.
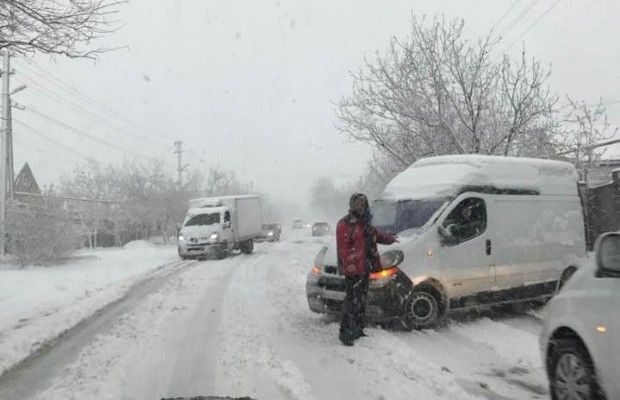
(351, 246)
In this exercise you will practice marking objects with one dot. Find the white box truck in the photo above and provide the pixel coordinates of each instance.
(474, 231)
(219, 225)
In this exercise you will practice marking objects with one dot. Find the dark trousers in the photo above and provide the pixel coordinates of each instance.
(354, 308)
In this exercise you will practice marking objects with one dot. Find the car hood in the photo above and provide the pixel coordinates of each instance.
(331, 255)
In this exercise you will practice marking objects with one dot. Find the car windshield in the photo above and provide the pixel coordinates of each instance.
(203, 219)
(404, 216)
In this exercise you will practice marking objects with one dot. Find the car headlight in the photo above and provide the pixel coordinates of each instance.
(270, 234)
(392, 258)
(181, 238)
(214, 236)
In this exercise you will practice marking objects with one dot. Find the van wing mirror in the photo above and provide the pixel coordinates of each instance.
(447, 235)
(608, 255)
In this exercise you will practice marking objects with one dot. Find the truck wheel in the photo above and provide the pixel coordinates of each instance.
(220, 254)
(247, 247)
(571, 372)
(422, 310)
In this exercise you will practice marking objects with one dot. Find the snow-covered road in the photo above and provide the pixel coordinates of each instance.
(241, 327)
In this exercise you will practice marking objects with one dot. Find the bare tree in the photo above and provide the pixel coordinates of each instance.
(584, 126)
(436, 93)
(64, 27)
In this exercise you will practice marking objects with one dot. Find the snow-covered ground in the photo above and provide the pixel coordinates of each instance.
(38, 303)
(241, 327)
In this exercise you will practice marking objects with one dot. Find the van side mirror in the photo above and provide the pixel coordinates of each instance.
(607, 255)
(447, 235)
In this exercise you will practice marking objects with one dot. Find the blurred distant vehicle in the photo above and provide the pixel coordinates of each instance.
(320, 229)
(298, 224)
(271, 232)
(580, 339)
(218, 225)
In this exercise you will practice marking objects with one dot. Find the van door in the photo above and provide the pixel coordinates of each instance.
(466, 253)
(526, 257)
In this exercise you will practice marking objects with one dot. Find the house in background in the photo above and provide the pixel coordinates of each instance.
(27, 192)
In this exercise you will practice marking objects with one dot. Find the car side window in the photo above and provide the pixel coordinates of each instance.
(227, 216)
(467, 220)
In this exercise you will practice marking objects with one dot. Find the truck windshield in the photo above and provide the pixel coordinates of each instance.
(405, 215)
(204, 219)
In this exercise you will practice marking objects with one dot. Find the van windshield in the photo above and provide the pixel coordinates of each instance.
(405, 216)
(204, 219)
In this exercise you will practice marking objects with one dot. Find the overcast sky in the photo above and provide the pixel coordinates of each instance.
(251, 85)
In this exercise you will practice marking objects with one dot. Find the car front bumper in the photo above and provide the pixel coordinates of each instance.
(200, 249)
(385, 299)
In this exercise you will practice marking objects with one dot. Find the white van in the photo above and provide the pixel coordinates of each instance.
(474, 231)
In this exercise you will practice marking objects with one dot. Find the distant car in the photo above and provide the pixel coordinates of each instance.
(320, 229)
(580, 340)
(298, 224)
(271, 232)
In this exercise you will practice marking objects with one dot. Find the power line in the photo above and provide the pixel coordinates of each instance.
(82, 132)
(533, 24)
(516, 20)
(103, 107)
(514, 3)
(79, 109)
(55, 142)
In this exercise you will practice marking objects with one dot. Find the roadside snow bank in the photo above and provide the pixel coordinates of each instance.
(139, 244)
(38, 303)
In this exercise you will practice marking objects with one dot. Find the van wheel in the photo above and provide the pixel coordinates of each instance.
(568, 272)
(247, 247)
(422, 310)
(571, 372)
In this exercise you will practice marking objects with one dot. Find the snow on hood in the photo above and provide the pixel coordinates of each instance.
(331, 257)
(444, 176)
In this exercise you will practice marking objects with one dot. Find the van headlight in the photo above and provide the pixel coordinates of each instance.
(181, 238)
(392, 258)
(214, 236)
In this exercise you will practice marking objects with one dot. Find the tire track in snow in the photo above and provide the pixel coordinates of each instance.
(32, 374)
(143, 353)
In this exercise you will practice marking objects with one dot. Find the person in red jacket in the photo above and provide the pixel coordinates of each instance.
(357, 242)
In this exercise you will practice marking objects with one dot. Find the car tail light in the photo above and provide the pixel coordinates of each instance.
(316, 270)
(386, 273)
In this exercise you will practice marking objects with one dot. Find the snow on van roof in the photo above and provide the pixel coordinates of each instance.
(446, 176)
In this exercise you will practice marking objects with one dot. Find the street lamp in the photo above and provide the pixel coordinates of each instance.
(17, 89)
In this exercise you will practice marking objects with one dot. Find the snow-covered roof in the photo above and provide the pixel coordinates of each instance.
(206, 210)
(447, 176)
(216, 201)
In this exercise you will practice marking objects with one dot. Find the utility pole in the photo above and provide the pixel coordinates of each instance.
(4, 129)
(180, 167)
(10, 174)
